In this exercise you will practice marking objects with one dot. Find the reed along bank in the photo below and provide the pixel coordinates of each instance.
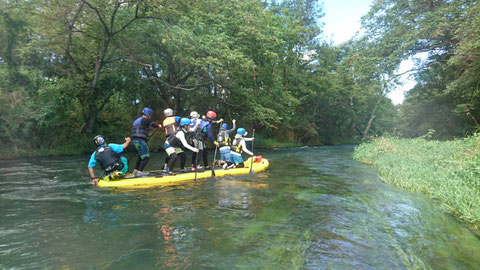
(446, 171)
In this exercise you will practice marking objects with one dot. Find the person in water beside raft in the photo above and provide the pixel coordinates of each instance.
(176, 144)
(108, 156)
(203, 133)
(224, 142)
(140, 129)
(238, 147)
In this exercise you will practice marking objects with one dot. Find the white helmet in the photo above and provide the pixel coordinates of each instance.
(194, 114)
(168, 112)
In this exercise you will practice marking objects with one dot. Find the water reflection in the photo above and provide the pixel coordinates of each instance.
(234, 193)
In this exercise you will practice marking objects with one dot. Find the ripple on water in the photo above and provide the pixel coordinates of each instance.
(315, 208)
(40, 194)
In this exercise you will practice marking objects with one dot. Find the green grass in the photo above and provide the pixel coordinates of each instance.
(447, 171)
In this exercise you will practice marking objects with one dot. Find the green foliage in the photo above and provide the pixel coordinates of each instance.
(446, 97)
(445, 171)
(71, 69)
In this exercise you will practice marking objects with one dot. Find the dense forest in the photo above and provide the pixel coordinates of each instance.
(72, 69)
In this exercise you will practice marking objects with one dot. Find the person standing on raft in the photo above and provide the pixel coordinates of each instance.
(140, 129)
(203, 133)
(108, 157)
(176, 144)
(171, 124)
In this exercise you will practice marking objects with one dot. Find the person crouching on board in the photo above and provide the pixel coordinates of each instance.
(224, 142)
(108, 157)
(238, 147)
(175, 145)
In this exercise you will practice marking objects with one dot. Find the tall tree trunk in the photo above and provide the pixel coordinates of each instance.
(92, 118)
(92, 107)
(109, 33)
(372, 116)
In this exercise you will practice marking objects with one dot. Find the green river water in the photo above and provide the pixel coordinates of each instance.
(314, 208)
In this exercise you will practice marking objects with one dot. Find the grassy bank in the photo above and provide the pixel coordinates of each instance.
(447, 171)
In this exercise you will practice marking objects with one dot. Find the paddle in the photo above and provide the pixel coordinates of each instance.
(195, 165)
(251, 159)
(214, 159)
(153, 133)
(103, 174)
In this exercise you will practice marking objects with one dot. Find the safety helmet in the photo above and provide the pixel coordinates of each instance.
(147, 111)
(185, 121)
(194, 114)
(168, 112)
(224, 126)
(241, 131)
(99, 140)
(211, 115)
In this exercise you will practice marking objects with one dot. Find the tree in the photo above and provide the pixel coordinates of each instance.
(446, 79)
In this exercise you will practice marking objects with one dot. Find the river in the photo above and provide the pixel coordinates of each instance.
(314, 208)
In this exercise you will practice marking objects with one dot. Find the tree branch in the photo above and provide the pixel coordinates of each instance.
(98, 15)
(70, 26)
(130, 22)
(172, 86)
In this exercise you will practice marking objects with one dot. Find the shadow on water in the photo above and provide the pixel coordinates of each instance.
(315, 208)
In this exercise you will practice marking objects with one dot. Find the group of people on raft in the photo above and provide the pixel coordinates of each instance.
(184, 133)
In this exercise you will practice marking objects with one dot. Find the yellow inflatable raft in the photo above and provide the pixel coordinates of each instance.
(159, 179)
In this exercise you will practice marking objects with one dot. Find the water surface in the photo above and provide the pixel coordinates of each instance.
(315, 208)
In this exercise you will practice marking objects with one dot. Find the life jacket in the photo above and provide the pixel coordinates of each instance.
(139, 131)
(175, 141)
(109, 160)
(222, 138)
(201, 133)
(171, 125)
(236, 146)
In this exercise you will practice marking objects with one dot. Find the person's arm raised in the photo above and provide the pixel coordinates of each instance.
(127, 142)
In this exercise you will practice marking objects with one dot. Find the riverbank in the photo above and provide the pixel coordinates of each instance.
(446, 171)
(85, 146)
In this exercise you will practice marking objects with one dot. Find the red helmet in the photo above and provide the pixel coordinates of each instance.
(211, 115)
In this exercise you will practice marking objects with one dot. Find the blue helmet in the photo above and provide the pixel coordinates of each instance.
(99, 140)
(185, 121)
(224, 126)
(147, 111)
(241, 131)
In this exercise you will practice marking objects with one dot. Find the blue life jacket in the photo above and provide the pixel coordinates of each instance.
(139, 131)
(202, 130)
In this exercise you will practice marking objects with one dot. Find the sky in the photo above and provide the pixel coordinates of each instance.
(342, 21)
(342, 18)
